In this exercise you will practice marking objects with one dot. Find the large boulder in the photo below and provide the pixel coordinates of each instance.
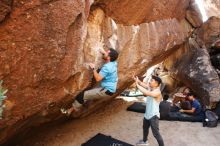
(139, 46)
(139, 11)
(39, 45)
(191, 65)
(45, 47)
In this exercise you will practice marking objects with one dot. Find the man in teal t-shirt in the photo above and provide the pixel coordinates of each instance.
(108, 76)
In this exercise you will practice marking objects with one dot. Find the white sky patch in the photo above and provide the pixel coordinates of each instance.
(114, 25)
(200, 4)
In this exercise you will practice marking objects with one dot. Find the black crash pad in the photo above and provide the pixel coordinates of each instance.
(103, 140)
(137, 107)
(173, 116)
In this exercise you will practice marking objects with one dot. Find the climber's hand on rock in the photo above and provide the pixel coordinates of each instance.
(136, 79)
(92, 65)
(136, 82)
(102, 51)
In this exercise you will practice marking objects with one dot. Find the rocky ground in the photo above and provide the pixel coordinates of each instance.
(114, 120)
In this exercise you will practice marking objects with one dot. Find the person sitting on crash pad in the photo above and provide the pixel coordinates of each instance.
(108, 76)
(196, 106)
(165, 107)
(194, 114)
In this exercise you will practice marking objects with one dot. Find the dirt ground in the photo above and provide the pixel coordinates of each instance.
(115, 121)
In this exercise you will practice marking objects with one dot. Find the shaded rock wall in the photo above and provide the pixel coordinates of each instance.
(191, 64)
(5, 9)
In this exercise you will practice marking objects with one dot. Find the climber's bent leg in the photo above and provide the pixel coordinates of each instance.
(96, 93)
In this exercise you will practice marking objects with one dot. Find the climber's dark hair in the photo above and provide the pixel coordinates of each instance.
(157, 79)
(113, 54)
(191, 94)
(166, 97)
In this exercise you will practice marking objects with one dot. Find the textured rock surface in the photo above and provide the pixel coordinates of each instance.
(192, 66)
(139, 11)
(209, 33)
(212, 8)
(39, 48)
(5, 8)
(45, 47)
(139, 46)
(193, 14)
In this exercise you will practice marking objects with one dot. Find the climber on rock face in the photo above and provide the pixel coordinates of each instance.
(108, 76)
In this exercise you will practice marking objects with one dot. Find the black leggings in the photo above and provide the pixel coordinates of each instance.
(154, 124)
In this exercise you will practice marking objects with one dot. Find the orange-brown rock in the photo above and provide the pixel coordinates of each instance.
(139, 11)
(5, 9)
(39, 45)
(139, 46)
(45, 47)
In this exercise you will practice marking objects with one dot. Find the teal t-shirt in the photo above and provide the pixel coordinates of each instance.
(109, 72)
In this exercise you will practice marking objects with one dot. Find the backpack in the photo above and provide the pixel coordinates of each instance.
(217, 110)
(211, 119)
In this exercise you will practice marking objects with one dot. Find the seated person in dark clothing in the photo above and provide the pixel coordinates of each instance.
(194, 114)
(164, 107)
(196, 106)
(186, 105)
